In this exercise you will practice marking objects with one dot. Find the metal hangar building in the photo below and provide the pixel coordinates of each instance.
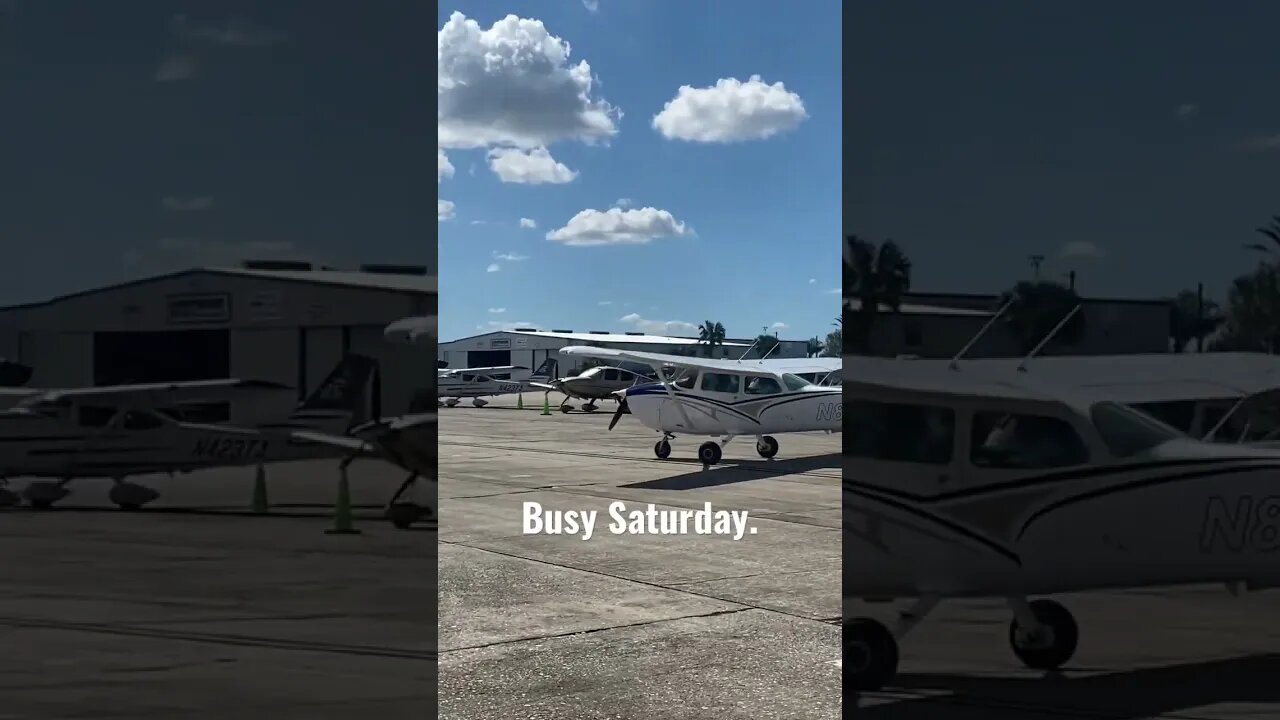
(288, 323)
(529, 348)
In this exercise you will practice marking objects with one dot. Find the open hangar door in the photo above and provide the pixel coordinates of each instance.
(488, 358)
(130, 358)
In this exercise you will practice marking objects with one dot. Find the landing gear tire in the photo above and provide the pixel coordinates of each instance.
(662, 449)
(1057, 642)
(589, 408)
(403, 515)
(767, 447)
(131, 496)
(565, 409)
(709, 453)
(870, 655)
(41, 495)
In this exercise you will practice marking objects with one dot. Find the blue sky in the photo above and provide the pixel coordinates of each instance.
(728, 210)
(148, 136)
(1141, 138)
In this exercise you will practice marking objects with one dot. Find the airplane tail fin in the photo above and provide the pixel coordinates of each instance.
(545, 371)
(344, 399)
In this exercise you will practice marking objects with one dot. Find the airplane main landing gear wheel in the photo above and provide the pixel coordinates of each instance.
(404, 515)
(767, 446)
(662, 449)
(870, 654)
(41, 494)
(709, 453)
(565, 409)
(131, 496)
(589, 407)
(1052, 644)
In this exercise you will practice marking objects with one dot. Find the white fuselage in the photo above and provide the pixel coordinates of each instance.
(470, 384)
(33, 444)
(808, 409)
(1185, 512)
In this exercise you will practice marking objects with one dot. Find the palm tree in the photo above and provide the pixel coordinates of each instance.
(813, 346)
(875, 276)
(1253, 311)
(1189, 319)
(834, 344)
(1272, 233)
(1037, 307)
(711, 334)
(765, 343)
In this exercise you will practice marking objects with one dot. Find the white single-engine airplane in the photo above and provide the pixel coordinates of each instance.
(477, 383)
(977, 482)
(117, 432)
(720, 398)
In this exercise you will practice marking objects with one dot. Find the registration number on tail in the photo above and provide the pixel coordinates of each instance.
(230, 448)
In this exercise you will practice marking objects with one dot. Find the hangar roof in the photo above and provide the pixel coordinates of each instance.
(599, 337)
(346, 278)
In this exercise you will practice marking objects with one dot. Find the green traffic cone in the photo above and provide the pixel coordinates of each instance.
(260, 505)
(546, 405)
(519, 401)
(342, 524)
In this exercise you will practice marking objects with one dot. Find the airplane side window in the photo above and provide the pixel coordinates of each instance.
(796, 383)
(91, 416)
(611, 375)
(720, 383)
(1033, 442)
(1179, 413)
(762, 386)
(686, 381)
(899, 432)
(134, 420)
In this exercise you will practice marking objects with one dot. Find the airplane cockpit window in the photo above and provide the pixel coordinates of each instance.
(794, 382)
(899, 432)
(1180, 414)
(611, 375)
(1026, 442)
(687, 379)
(591, 372)
(94, 416)
(1127, 432)
(720, 383)
(761, 385)
(137, 420)
(500, 376)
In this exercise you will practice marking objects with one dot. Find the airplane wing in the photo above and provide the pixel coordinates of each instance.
(800, 366)
(156, 394)
(660, 359)
(412, 330)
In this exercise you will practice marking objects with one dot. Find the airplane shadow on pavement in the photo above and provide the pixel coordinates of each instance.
(1169, 691)
(736, 471)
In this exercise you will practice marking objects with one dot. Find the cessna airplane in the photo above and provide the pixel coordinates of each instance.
(597, 383)
(720, 398)
(976, 482)
(118, 432)
(478, 383)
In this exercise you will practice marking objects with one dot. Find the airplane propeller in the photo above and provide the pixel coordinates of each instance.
(622, 410)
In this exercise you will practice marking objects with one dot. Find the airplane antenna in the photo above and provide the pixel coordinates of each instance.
(1022, 366)
(955, 360)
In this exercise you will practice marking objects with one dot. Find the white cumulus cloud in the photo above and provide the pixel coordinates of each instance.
(1080, 249)
(622, 202)
(659, 327)
(813, 280)
(528, 223)
(509, 257)
(512, 84)
(779, 326)
(444, 210)
(497, 310)
(444, 168)
(731, 111)
(533, 167)
(493, 267)
(619, 227)
(605, 302)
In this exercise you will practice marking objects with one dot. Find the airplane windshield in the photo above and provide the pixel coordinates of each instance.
(794, 382)
(1128, 432)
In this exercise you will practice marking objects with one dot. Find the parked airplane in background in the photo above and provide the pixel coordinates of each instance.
(477, 383)
(595, 383)
(412, 331)
(408, 441)
(961, 482)
(720, 398)
(118, 432)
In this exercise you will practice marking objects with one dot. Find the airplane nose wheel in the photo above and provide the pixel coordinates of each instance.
(709, 453)
(662, 449)
(870, 654)
(1050, 645)
(767, 446)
